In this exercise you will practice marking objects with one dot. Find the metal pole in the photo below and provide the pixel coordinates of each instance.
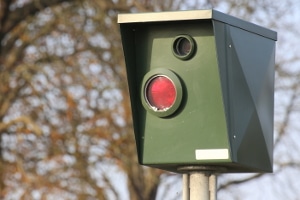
(199, 182)
(185, 187)
(199, 186)
(213, 186)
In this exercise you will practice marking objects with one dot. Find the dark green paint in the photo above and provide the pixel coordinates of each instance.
(227, 93)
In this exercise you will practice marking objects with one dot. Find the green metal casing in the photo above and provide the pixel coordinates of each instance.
(225, 116)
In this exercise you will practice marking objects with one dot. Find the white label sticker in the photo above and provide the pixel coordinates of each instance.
(211, 154)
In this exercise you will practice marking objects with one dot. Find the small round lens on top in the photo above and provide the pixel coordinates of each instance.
(183, 47)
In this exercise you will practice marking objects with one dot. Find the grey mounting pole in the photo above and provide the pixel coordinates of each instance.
(199, 186)
(185, 187)
(199, 183)
(213, 186)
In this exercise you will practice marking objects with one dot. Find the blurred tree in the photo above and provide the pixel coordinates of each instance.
(65, 121)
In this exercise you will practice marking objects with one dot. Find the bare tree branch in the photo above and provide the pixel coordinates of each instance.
(236, 182)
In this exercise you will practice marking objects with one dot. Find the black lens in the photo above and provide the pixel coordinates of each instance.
(183, 46)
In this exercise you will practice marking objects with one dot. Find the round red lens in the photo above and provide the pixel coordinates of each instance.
(161, 93)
